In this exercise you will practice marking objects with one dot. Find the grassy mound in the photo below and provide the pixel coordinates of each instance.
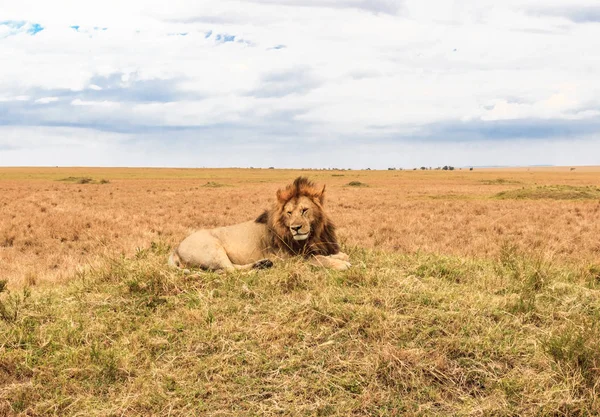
(552, 192)
(83, 180)
(394, 335)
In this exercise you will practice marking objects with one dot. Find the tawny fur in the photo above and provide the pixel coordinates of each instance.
(296, 225)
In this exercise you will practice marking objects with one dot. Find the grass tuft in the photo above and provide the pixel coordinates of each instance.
(576, 350)
(527, 276)
(357, 184)
(552, 192)
(11, 304)
(445, 268)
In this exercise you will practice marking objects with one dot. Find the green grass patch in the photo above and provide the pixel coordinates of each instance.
(394, 335)
(552, 192)
(84, 180)
(356, 184)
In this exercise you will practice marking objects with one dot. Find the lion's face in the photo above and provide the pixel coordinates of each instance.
(298, 215)
(298, 224)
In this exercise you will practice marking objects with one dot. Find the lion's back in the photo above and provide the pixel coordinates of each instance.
(244, 242)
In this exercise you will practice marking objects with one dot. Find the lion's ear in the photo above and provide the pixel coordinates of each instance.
(322, 196)
(280, 196)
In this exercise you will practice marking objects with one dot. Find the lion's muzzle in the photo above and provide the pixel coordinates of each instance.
(298, 234)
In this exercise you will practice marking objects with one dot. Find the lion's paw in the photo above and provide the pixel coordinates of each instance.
(342, 265)
(341, 256)
(263, 264)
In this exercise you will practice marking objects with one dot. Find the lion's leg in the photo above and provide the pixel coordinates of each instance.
(204, 251)
(341, 256)
(220, 261)
(215, 258)
(329, 262)
(262, 264)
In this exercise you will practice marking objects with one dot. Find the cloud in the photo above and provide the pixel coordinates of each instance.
(209, 19)
(116, 102)
(122, 87)
(509, 130)
(46, 100)
(283, 83)
(391, 82)
(374, 6)
(67, 146)
(576, 14)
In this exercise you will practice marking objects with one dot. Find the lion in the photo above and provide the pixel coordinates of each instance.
(296, 225)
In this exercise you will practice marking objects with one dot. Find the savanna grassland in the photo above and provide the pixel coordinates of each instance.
(471, 293)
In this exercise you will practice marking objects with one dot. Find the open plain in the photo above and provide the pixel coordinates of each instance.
(471, 293)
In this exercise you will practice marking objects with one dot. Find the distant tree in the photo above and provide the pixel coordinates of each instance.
(471, 169)
(445, 168)
(423, 168)
(451, 168)
(391, 169)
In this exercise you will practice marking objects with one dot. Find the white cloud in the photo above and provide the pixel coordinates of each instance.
(104, 103)
(46, 100)
(314, 70)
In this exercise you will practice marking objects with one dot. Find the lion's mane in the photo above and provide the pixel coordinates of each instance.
(322, 239)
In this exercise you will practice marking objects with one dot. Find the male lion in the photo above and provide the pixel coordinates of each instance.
(296, 225)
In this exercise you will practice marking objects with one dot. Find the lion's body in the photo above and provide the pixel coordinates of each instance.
(225, 247)
(296, 225)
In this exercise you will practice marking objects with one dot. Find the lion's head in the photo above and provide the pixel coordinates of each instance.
(298, 223)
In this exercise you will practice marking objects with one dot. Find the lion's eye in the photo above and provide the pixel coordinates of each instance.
(289, 213)
(304, 210)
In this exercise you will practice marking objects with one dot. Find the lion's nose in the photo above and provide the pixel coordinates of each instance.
(295, 228)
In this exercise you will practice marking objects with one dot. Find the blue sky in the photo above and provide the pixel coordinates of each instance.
(300, 83)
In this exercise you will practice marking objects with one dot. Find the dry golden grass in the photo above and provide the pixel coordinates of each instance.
(472, 293)
(49, 226)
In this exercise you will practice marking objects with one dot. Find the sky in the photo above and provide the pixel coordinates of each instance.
(300, 83)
